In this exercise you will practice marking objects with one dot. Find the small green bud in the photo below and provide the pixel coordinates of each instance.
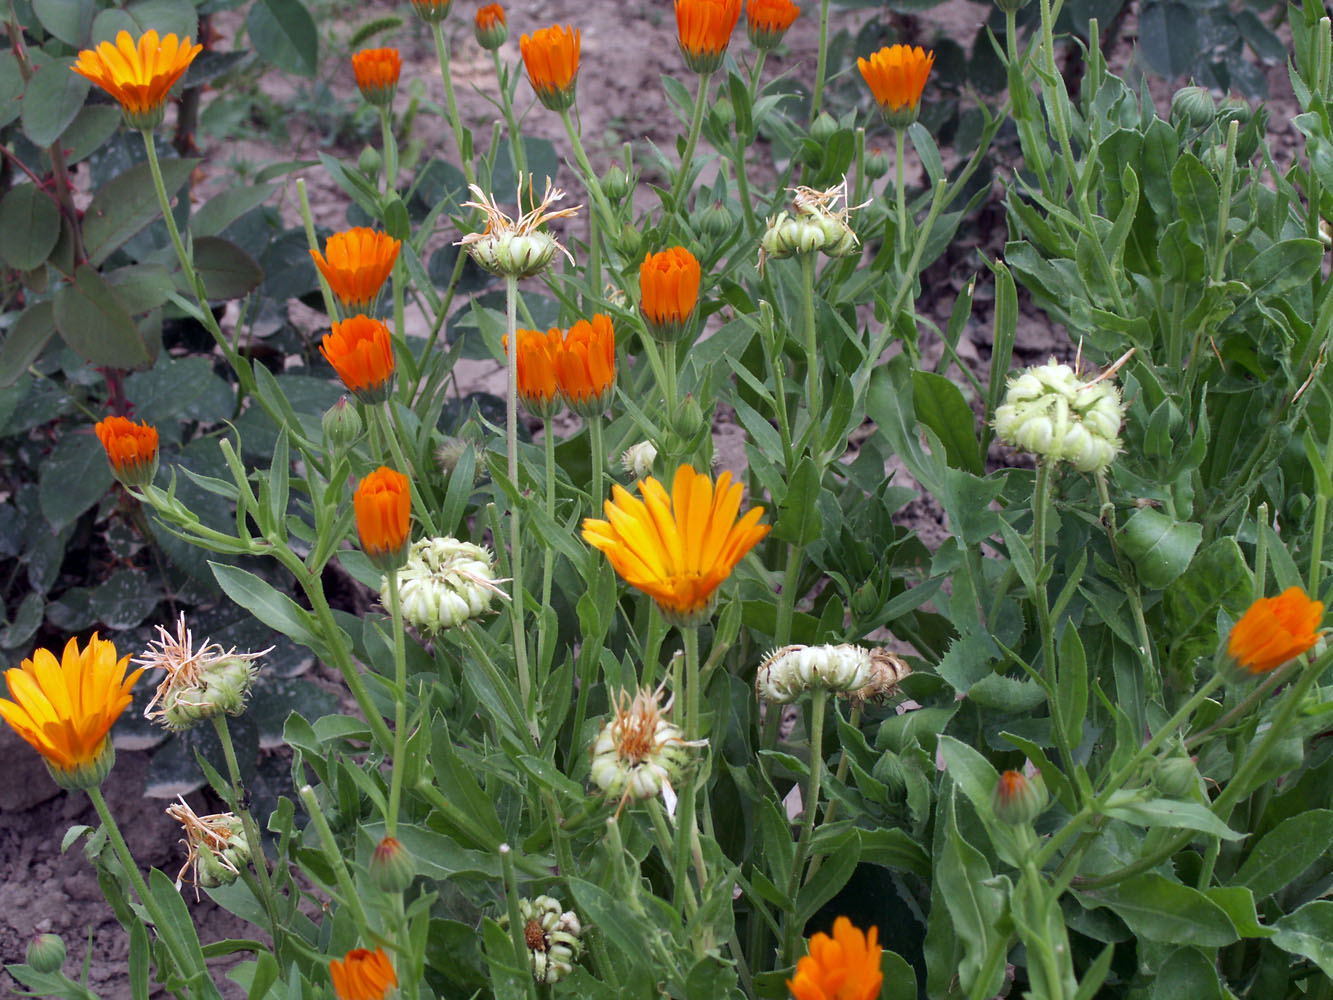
(1018, 799)
(876, 164)
(342, 425)
(46, 954)
(823, 128)
(630, 242)
(723, 113)
(616, 183)
(1011, 6)
(1176, 777)
(866, 601)
(369, 162)
(1234, 109)
(689, 420)
(392, 866)
(715, 221)
(1193, 105)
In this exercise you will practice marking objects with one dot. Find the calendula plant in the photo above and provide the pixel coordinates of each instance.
(627, 725)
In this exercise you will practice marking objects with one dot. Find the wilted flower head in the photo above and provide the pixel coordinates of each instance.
(551, 56)
(199, 683)
(517, 248)
(897, 76)
(787, 673)
(816, 222)
(444, 583)
(637, 461)
(1274, 630)
(138, 74)
(376, 72)
(1049, 411)
(552, 936)
(767, 21)
(842, 967)
(639, 753)
(215, 847)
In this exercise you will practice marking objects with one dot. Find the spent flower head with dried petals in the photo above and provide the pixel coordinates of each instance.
(445, 583)
(1050, 411)
(215, 847)
(639, 753)
(816, 222)
(787, 673)
(551, 934)
(517, 248)
(199, 682)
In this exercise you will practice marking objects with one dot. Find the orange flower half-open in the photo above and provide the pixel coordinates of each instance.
(138, 74)
(1275, 630)
(842, 967)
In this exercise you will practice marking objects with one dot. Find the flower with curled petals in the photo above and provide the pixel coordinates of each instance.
(65, 708)
(383, 503)
(842, 967)
(363, 975)
(139, 74)
(551, 57)
(703, 31)
(130, 448)
(677, 548)
(376, 72)
(669, 292)
(586, 365)
(361, 352)
(1275, 630)
(356, 263)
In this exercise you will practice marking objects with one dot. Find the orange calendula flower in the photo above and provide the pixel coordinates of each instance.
(842, 967)
(130, 448)
(376, 73)
(1275, 630)
(363, 975)
(586, 365)
(677, 549)
(361, 352)
(491, 28)
(897, 76)
(537, 387)
(66, 707)
(138, 74)
(703, 31)
(669, 292)
(767, 22)
(551, 56)
(383, 503)
(356, 263)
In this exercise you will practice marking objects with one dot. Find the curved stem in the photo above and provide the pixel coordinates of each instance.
(334, 857)
(590, 178)
(442, 53)
(696, 123)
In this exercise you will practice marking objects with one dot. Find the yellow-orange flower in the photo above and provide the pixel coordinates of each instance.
(551, 56)
(66, 707)
(668, 292)
(363, 975)
(842, 967)
(361, 352)
(130, 448)
(376, 72)
(897, 76)
(356, 263)
(703, 31)
(383, 503)
(767, 21)
(677, 549)
(138, 74)
(491, 28)
(586, 365)
(1275, 630)
(537, 385)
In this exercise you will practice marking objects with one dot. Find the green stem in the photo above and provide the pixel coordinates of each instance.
(1274, 679)
(1131, 589)
(399, 707)
(312, 241)
(517, 155)
(598, 457)
(548, 551)
(590, 178)
(442, 52)
(899, 191)
(516, 609)
(696, 123)
(831, 810)
(517, 717)
(252, 837)
(390, 150)
(516, 928)
(419, 505)
(1224, 202)
(821, 60)
(1040, 501)
(690, 637)
(335, 859)
(817, 704)
(813, 381)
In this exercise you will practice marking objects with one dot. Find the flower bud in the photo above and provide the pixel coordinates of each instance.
(866, 601)
(630, 242)
(823, 128)
(876, 164)
(46, 954)
(342, 425)
(1234, 108)
(715, 221)
(490, 26)
(1017, 799)
(444, 583)
(1176, 777)
(392, 866)
(787, 235)
(370, 162)
(552, 937)
(637, 461)
(1194, 106)
(616, 184)
(723, 113)
(689, 420)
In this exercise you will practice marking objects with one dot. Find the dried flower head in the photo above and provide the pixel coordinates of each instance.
(138, 74)
(639, 753)
(787, 673)
(444, 583)
(1050, 411)
(216, 847)
(517, 248)
(637, 461)
(552, 936)
(199, 683)
(816, 222)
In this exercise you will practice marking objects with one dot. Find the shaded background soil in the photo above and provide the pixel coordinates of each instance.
(626, 48)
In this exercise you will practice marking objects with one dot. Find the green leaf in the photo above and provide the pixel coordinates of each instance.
(11, 87)
(799, 520)
(976, 901)
(1187, 972)
(1217, 576)
(94, 322)
(1168, 37)
(1182, 261)
(25, 341)
(1159, 909)
(228, 271)
(1283, 266)
(73, 478)
(1309, 932)
(1239, 906)
(126, 203)
(69, 20)
(1006, 694)
(53, 97)
(1285, 852)
(180, 388)
(1196, 194)
(90, 130)
(1071, 686)
(630, 933)
(220, 211)
(124, 599)
(893, 848)
(31, 224)
(285, 35)
(1160, 547)
(1172, 813)
(940, 405)
(166, 17)
(274, 609)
